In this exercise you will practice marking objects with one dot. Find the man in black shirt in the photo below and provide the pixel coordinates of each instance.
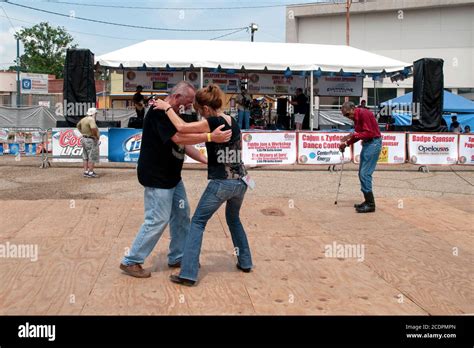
(159, 171)
(139, 102)
(300, 104)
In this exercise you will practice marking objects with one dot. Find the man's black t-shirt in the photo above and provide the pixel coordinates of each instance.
(161, 160)
(302, 101)
(224, 160)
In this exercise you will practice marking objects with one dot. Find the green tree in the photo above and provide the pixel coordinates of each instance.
(44, 49)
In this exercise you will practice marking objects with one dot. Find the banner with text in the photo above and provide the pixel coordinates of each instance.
(150, 80)
(269, 148)
(67, 145)
(428, 148)
(274, 84)
(34, 83)
(393, 149)
(338, 86)
(321, 148)
(229, 83)
(466, 149)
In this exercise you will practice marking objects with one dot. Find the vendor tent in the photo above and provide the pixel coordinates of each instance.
(452, 102)
(249, 55)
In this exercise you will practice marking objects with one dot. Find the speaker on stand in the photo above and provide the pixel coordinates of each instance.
(428, 92)
(79, 84)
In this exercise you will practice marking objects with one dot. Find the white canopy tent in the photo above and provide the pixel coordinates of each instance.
(250, 56)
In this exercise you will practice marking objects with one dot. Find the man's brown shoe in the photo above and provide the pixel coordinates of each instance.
(136, 271)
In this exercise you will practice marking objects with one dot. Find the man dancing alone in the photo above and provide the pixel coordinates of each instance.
(366, 129)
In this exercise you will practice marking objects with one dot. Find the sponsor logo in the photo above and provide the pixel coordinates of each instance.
(247, 138)
(131, 148)
(433, 149)
(303, 159)
(133, 144)
(290, 136)
(70, 143)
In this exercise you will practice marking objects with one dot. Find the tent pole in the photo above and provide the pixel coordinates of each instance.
(311, 104)
(201, 80)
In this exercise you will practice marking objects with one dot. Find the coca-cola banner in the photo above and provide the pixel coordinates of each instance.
(67, 146)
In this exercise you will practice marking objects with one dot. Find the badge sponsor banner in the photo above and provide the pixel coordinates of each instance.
(150, 80)
(67, 146)
(201, 148)
(429, 148)
(393, 149)
(321, 148)
(124, 144)
(339, 86)
(466, 149)
(266, 148)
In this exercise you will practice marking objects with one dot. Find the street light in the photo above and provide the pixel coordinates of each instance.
(253, 29)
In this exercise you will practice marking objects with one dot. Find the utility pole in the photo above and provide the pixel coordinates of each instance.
(348, 22)
(253, 29)
(348, 29)
(18, 90)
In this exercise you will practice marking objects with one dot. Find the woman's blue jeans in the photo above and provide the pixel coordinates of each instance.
(217, 192)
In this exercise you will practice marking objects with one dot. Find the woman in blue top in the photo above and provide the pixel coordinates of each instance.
(226, 174)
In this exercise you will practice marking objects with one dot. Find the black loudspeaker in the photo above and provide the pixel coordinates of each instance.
(108, 124)
(62, 124)
(428, 92)
(79, 83)
(135, 122)
(282, 106)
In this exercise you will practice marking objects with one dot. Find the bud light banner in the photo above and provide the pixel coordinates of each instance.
(428, 148)
(67, 146)
(393, 149)
(321, 148)
(124, 144)
(466, 149)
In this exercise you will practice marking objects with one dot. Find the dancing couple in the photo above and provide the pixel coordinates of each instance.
(165, 140)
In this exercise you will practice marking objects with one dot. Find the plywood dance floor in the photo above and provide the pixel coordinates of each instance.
(418, 259)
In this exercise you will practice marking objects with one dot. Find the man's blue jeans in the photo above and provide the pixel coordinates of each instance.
(216, 193)
(243, 119)
(368, 161)
(162, 206)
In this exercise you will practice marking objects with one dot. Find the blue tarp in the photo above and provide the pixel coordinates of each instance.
(452, 102)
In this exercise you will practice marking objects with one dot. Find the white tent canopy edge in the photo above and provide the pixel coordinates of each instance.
(250, 56)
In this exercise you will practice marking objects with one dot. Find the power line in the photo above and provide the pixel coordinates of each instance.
(119, 24)
(9, 20)
(168, 8)
(228, 34)
(77, 32)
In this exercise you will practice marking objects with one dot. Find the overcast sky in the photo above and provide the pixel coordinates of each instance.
(101, 38)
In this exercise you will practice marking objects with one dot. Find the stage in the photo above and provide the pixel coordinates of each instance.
(413, 256)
